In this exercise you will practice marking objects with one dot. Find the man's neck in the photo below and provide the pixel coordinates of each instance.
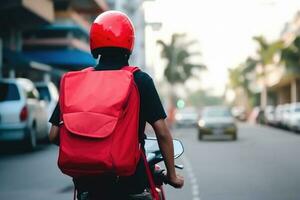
(111, 63)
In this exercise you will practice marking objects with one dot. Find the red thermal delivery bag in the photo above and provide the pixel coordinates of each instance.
(99, 122)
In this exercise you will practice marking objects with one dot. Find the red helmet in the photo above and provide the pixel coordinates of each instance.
(111, 29)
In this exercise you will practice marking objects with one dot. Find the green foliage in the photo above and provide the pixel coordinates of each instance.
(290, 55)
(249, 65)
(202, 98)
(179, 67)
(235, 77)
(267, 50)
(239, 76)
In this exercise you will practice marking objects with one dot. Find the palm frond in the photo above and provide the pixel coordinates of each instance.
(179, 66)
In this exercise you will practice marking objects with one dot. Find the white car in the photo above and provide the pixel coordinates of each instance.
(279, 115)
(48, 93)
(270, 115)
(286, 115)
(239, 112)
(186, 117)
(294, 122)
(23, 116)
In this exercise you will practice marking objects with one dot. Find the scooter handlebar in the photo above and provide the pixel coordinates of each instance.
(160, 176)
(179, 166)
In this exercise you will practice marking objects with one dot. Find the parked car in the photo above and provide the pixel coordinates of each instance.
(23, 116)
(186, 117)
(48, 92)
(279, 115)
(286, 115)
(294, 122)
(239, 112)
(217, 122)
(270, 115)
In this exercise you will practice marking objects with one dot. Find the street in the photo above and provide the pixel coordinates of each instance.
(263, 164)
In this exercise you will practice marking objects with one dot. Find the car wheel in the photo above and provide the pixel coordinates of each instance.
(297, 130)
(31, 141)
(234, 136)
(294, 129)
(45, 139)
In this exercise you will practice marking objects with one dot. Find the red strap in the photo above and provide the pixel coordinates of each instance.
(131, 69)
(88, 69)
(150, 178)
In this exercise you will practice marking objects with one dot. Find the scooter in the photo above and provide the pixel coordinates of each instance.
(157, 177)
(154, 156)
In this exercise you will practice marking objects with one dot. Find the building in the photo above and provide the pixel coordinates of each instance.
(51, 43)
(22, 15)
(64, 44)
(44, 40)
(284, 82)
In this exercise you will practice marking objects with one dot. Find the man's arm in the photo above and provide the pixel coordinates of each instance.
(165, 142)
(54, 135)
(54, 120)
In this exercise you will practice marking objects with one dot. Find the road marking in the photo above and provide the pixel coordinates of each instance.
(192, 178)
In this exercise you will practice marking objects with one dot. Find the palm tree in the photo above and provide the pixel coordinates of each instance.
(240, 78)
(179, 67)
(266, 54)
(235, 77)
(248, 68)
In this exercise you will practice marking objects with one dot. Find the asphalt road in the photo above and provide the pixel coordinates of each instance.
(263, 164)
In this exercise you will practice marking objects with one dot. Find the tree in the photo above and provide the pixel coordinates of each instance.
(179, 67)
(240, 79)
(248, 68)
(266, 52)
(239, 76)
(290, 55)
(201, 98)
(235, 77)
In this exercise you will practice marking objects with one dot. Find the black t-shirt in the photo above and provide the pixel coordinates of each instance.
(151, 108)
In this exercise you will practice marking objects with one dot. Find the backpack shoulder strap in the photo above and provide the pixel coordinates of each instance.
(150, 177)
(131, 69)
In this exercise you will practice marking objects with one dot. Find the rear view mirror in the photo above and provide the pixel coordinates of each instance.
(151, 146)
(178, 148)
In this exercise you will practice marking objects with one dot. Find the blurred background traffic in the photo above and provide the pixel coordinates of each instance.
(225, 71)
